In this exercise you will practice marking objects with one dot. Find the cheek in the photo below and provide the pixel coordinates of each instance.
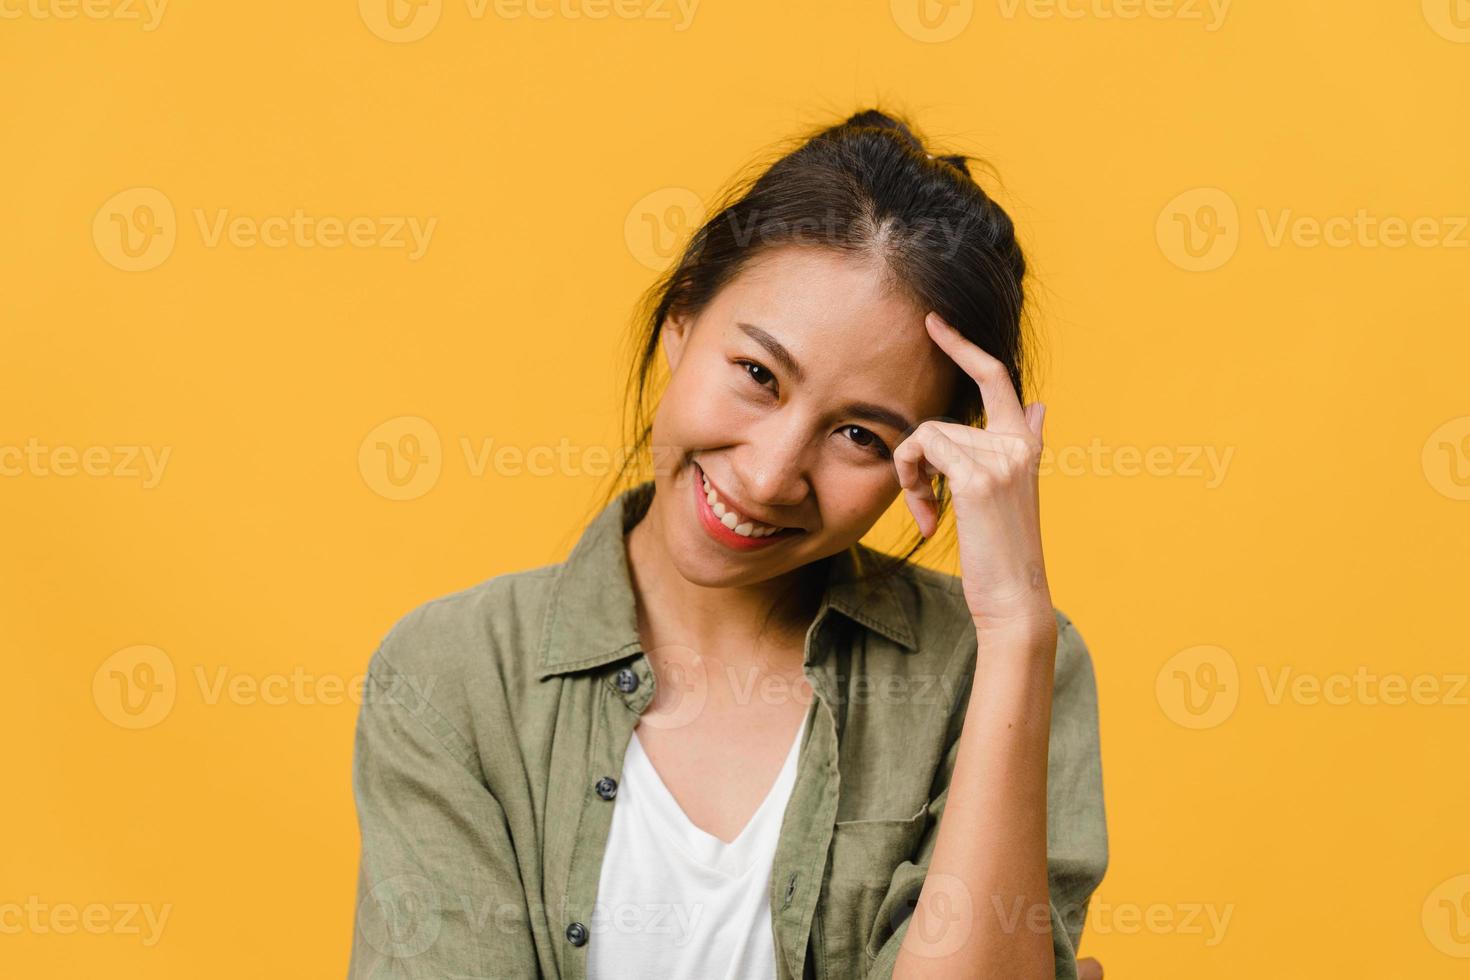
(699, 407)
(853, 501)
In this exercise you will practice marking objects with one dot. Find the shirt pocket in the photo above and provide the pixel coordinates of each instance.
(863, 857)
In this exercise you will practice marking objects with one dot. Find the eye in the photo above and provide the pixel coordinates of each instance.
(757, 373)
(867, 440)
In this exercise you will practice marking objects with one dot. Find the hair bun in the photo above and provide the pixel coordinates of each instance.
(958, 161)
(881, 120)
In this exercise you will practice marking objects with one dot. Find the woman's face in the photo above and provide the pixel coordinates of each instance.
(788, 394)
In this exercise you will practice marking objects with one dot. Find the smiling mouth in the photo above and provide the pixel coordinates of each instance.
(730, 525)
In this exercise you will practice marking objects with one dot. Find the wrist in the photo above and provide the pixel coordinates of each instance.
(1035, 631)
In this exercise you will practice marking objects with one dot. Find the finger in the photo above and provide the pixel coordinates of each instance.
(914, 476)
(925, 452)
(1007, 444)
(1089, 969)
(1003, 412)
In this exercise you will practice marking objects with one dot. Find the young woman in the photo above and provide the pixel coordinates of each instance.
(723, 738)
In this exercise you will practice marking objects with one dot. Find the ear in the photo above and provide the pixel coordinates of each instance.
(674, 337)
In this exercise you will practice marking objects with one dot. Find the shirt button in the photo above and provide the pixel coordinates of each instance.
(577, 934)
(627, 681)
(607, 787)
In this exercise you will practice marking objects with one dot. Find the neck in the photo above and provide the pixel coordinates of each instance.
(732, 624)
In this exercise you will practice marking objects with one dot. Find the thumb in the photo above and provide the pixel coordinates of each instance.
(1035, 415)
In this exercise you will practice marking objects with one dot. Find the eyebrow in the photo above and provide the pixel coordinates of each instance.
(862, 410)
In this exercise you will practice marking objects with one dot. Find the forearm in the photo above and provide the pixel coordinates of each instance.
(984, 908)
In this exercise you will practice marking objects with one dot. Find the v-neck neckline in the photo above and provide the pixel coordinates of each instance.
(728, 857)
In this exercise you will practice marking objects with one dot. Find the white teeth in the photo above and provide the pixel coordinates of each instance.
(729, 518)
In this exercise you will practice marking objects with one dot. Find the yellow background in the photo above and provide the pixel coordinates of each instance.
(271, 555)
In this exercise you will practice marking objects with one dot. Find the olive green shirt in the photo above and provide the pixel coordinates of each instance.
(491, 738)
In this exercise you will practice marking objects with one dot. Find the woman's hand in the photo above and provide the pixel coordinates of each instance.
(992, 475)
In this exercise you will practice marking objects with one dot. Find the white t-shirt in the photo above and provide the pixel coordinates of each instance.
(676, 902)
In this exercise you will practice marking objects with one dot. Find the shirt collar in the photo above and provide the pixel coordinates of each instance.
(592, 617)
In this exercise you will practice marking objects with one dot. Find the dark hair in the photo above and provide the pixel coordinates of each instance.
(865, 185)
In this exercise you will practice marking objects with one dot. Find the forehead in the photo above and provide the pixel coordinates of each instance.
(850, 330)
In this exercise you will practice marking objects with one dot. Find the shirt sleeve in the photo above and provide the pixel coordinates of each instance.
(1077, 844)
(439, 892)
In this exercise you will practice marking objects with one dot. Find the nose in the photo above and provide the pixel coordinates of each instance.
(775, 461)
